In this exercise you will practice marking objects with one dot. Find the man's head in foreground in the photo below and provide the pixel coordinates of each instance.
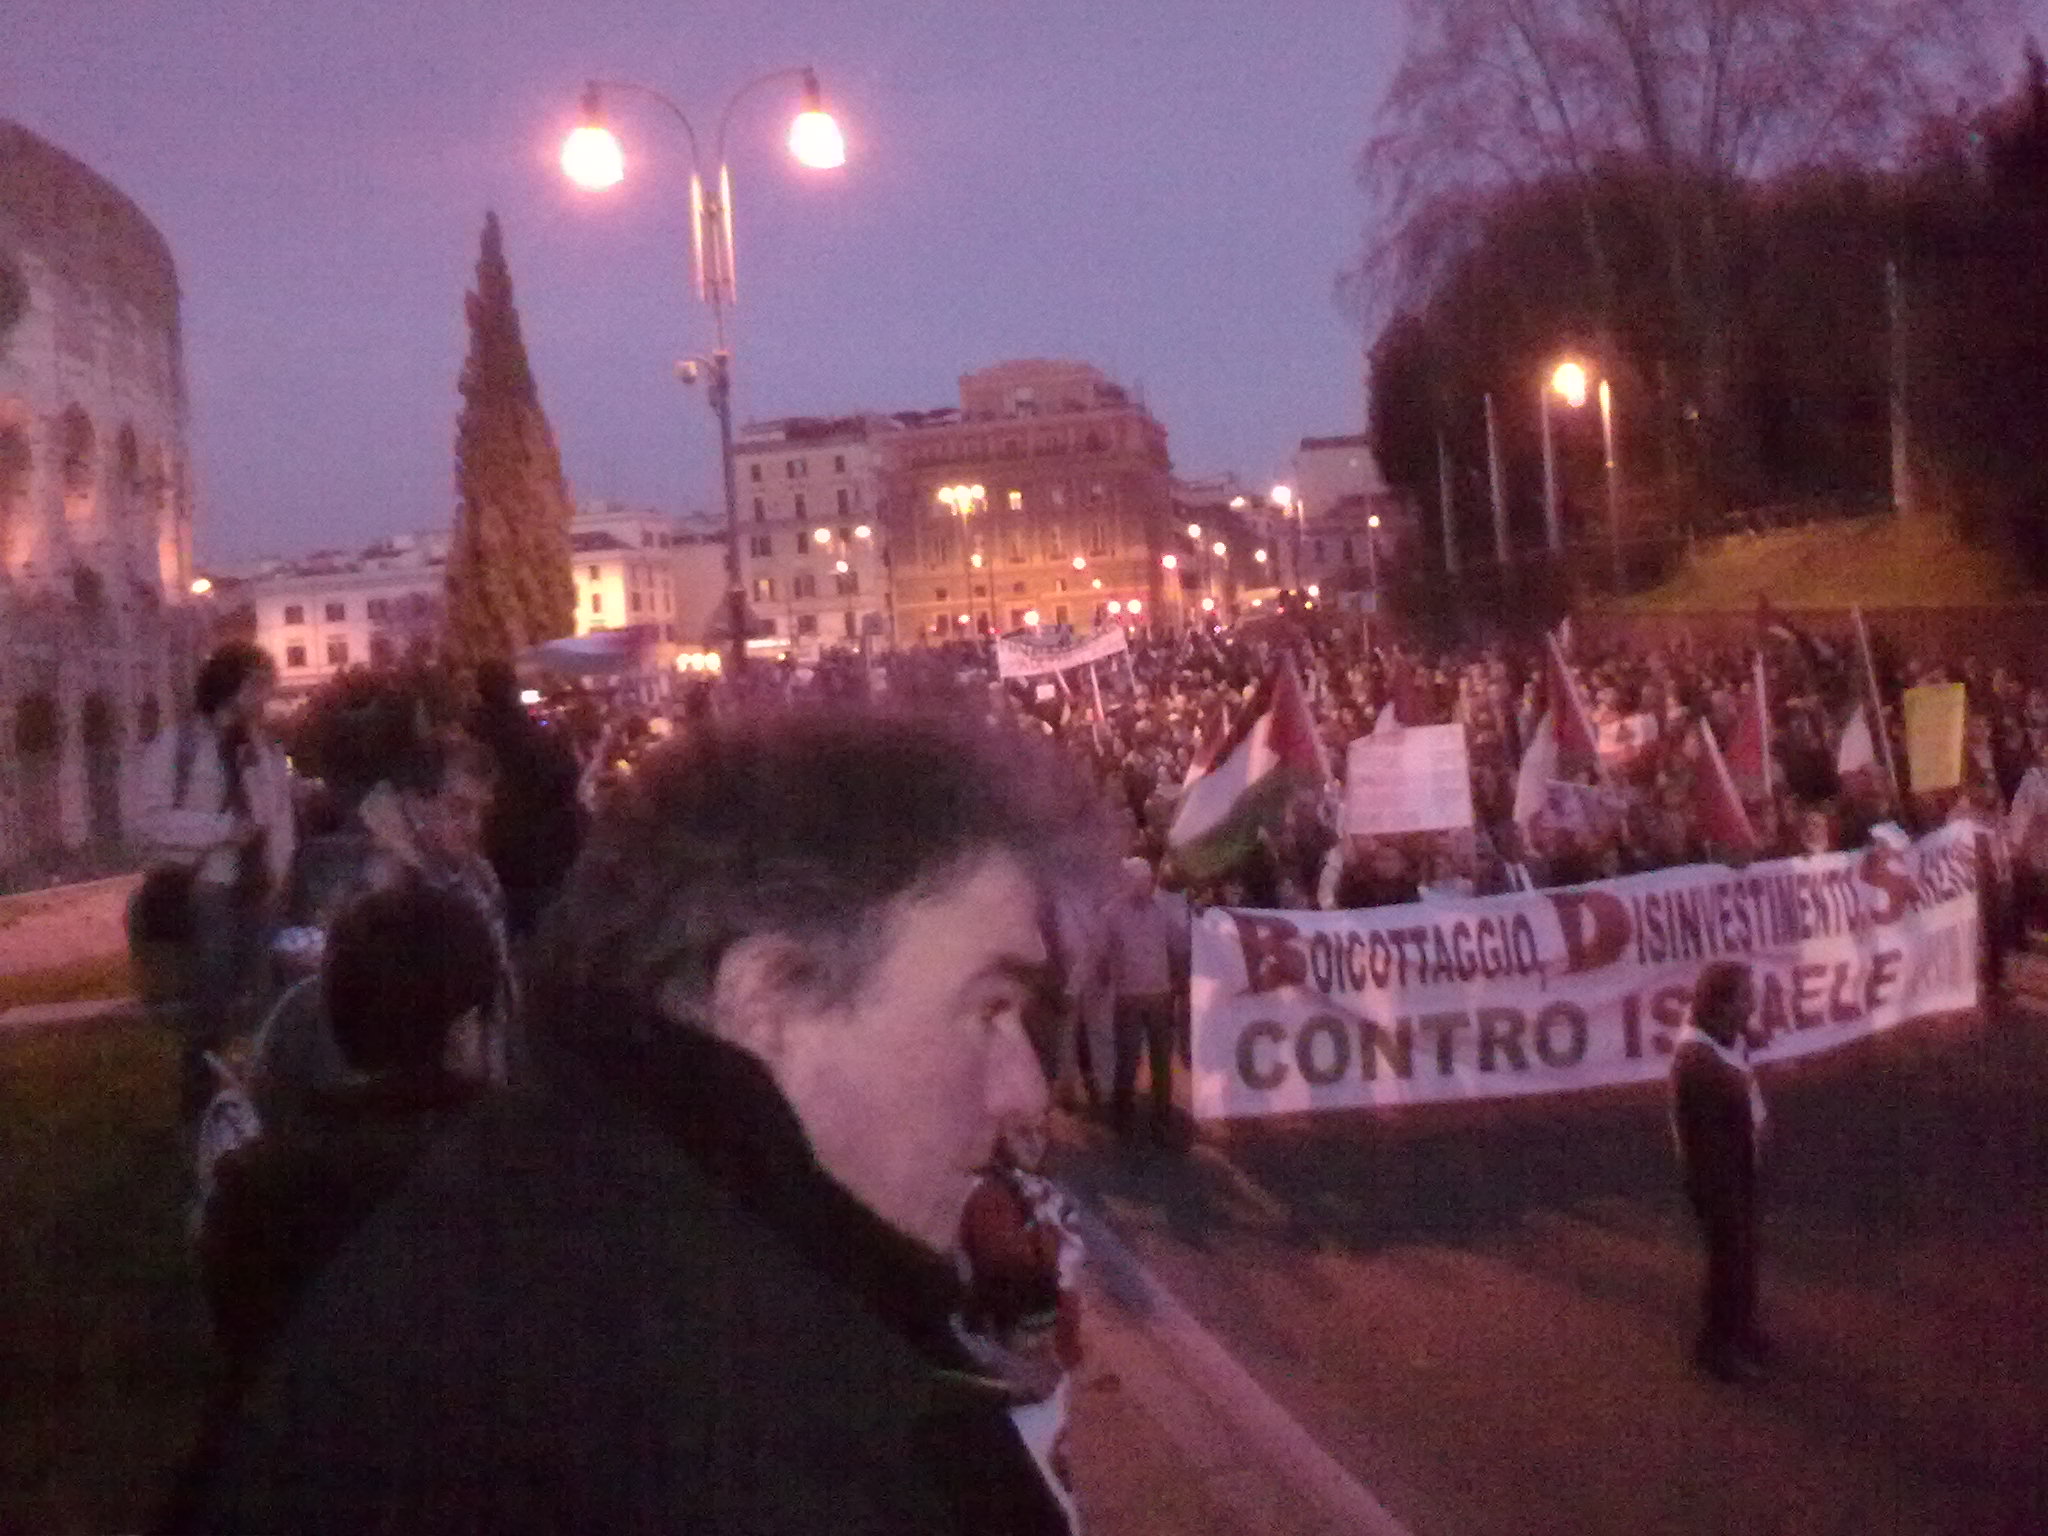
(854, 900)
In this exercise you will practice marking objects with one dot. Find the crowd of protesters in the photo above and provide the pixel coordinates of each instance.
(359, 954)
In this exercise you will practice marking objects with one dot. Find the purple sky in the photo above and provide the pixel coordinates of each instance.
(1160, 187)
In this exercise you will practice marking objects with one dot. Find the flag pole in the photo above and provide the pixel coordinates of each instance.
(1875, 704)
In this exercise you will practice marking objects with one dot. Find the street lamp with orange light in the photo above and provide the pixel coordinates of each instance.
(964, 501)
(593, 159)
(1569, 381)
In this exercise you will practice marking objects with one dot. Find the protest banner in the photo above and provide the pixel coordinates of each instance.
(1026, 655)
(1414, 779)
(1583, 987)
(1934, 736)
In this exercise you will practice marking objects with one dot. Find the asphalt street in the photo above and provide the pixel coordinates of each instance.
(1483, 1314)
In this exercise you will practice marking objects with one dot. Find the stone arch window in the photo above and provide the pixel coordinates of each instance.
(128, 460)
(75, 444)
(14, 473)
(38, 745)
(99, 728)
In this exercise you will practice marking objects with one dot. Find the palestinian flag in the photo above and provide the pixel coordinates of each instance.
(1245, 775)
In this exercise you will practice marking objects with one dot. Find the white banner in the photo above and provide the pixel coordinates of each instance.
(1550, 991)
(1414, 779)
(1022, 655)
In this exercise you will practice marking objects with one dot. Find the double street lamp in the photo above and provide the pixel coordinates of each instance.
(963, 501)
(592, 158)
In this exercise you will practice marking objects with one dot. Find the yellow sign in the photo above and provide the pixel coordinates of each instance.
(1934, 737)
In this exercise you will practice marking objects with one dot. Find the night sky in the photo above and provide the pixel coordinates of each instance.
(1161, 187)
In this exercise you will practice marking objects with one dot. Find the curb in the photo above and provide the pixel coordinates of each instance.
(31, 1018)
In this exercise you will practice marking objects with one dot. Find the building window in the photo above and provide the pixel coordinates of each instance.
(754, 474)
(1319, 551)
(1098, 538)
(419, 605)
(1059, 614)
(1016, 618)
(1017, 589)
(597, 602)
(938, 594)
(838, 463)
(1347, 552)
(760, 507)
(790, 468)
(633, 602)
(852, 631)
(761, 546)
(379, 610)
(593, 573)
(764, 589)
(804, 586)
(336, 612)
(799, 503)
(294, 614)
(848, 583)
(807, 623)
(845, 501)
(1016, 501)
(380, 651)
(1059, 583)
(337, 653)
(295, 656)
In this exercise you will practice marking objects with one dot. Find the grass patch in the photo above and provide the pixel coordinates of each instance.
(96, 976)
(104, 1355)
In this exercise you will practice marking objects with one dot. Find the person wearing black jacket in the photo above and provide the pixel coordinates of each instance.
(702, 1277)
(1718, 1118)
(534, 824)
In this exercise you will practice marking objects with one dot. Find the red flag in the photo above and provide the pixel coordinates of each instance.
(1716, 807)
(1749, 751)
(1573, 722)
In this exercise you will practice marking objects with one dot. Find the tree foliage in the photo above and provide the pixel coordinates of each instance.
(509, 579)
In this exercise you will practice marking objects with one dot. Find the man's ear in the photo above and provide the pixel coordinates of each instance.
(754, 993)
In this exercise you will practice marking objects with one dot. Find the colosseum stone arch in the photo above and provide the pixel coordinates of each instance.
(97, 625)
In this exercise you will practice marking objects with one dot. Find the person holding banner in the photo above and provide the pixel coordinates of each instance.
(1718, 1120)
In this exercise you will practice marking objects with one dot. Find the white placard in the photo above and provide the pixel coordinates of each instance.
(1415, 779)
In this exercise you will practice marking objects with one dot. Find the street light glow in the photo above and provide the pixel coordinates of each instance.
(1096, 584)
(591, 156)
(1219, 549)
(1259, 555)
(822, 536)
(975, 559)
(1031, 617)
(1208, 605)
(1237, 503)
(1115, 607)
(1133, 606)
(1080, 562)
(1194, 530)
(200, 586)
(1168, 561)
(1570, 383)
(1373, 521)
(1314, 590)
(841, 567)
(814, 138)
(1282, 496)
(863, 532)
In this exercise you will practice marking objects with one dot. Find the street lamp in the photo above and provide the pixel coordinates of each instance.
(964, 501)
(1372, 558)
(592, 158)
(1568, 382)
(1296, 512)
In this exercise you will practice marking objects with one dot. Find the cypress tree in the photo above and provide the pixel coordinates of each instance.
(509, 579)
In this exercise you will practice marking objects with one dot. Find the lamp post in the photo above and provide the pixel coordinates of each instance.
(1372, 558)
(1568, 383)
(1295, 510)
(1613, 480)
(591, 158)
(964, 501)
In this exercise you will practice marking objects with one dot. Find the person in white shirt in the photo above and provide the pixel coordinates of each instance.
(1147, 950)
(214, 811)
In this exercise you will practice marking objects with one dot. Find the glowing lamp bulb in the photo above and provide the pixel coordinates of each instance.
(1194, 530)
(1115, 607)
(863, 532)
(840, 567)
(1219, 549)
(1259, 555)
(1080, 562)
(591, 158)
(1031, 617)
(1169, 562)
(200, 586)
(815, 140)
(1133, 606)
(1208, 605)
(822, 536)
(1096, 584)
(1570, 383)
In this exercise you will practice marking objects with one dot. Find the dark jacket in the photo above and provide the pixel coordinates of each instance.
(534, 826)
(1716, 1142)
(632, 1302)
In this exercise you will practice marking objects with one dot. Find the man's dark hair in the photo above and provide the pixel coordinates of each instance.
(222, 674)
(1713, 996)
(402, 966)
(800, 825)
